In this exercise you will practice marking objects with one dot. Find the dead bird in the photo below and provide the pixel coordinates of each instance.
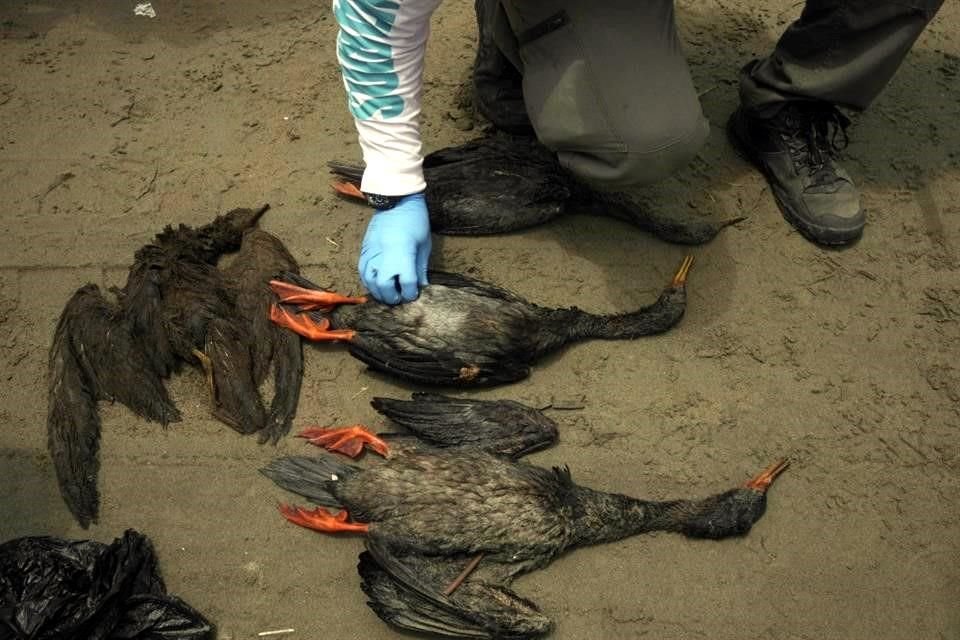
(452, 516)
(461, 331)
(176, 308)
(503, 182)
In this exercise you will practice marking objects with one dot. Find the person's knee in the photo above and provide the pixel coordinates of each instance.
(649, 157)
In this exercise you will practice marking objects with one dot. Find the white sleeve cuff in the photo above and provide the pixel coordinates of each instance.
(391, 152)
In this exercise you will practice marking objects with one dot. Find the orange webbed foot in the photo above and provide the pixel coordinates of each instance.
(346, 440)
(321, 519)
(762, 481)
(348, 189)
(311, 299)
(306, 326)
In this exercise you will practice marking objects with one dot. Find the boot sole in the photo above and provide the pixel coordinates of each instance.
(829, 236)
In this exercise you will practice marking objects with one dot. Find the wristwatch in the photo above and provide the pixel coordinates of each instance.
(381, 202)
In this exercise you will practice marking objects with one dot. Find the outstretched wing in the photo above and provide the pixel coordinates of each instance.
(407, 591)
(92, 358)
(504, 427)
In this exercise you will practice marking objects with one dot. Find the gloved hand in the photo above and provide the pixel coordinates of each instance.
(395, 250)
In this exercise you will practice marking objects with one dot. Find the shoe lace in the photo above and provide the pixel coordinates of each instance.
(815, 135)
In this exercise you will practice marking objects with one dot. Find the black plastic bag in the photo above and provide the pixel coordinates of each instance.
(54, 589)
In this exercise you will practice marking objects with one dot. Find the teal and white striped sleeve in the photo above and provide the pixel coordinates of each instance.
(380, 48)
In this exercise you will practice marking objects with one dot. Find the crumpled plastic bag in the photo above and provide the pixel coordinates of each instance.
(55, 589)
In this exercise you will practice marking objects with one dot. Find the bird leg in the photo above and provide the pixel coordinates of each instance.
(680, 277)
(322, 520)
(467, 570)
(311, 299)
(349, 189)
(207, 365)
(306, 326)
(762, 481)
(346, 440)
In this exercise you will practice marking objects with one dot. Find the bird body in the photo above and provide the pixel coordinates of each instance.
(461, 331)
(450, 521)
(176, 307)
(502, 183)
(513, 512)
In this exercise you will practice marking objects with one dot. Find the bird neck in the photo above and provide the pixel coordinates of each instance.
(570, 325)
(605, 517)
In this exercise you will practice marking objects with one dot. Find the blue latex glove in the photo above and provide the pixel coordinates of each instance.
(395, 251)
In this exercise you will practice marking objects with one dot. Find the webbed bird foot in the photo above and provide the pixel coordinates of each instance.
(348, 189)
(305, 325)
(322, 520)
(311, 299)
(346, 440)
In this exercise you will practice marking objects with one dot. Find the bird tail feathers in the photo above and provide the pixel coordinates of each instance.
(312, 478)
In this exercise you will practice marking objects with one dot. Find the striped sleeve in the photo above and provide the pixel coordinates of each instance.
(380, 48)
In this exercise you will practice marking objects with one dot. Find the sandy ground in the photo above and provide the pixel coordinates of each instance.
(112, 126)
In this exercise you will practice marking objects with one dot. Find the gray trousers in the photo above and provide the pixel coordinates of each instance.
(606, 84)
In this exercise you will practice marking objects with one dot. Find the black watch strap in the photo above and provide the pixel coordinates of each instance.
(382, 203)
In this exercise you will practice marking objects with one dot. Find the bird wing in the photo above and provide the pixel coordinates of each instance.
(92, 358)
(463, 152)
(236, 399)
(494, 184)
(347, 171)
(263, 256)
(498, 426)
(460, 281)
(502, 153)
(435, 367)
(474, 189)
(287, 380)
(407, 591)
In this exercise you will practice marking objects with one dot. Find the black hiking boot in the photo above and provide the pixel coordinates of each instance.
(795, 150)
(497, 84)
